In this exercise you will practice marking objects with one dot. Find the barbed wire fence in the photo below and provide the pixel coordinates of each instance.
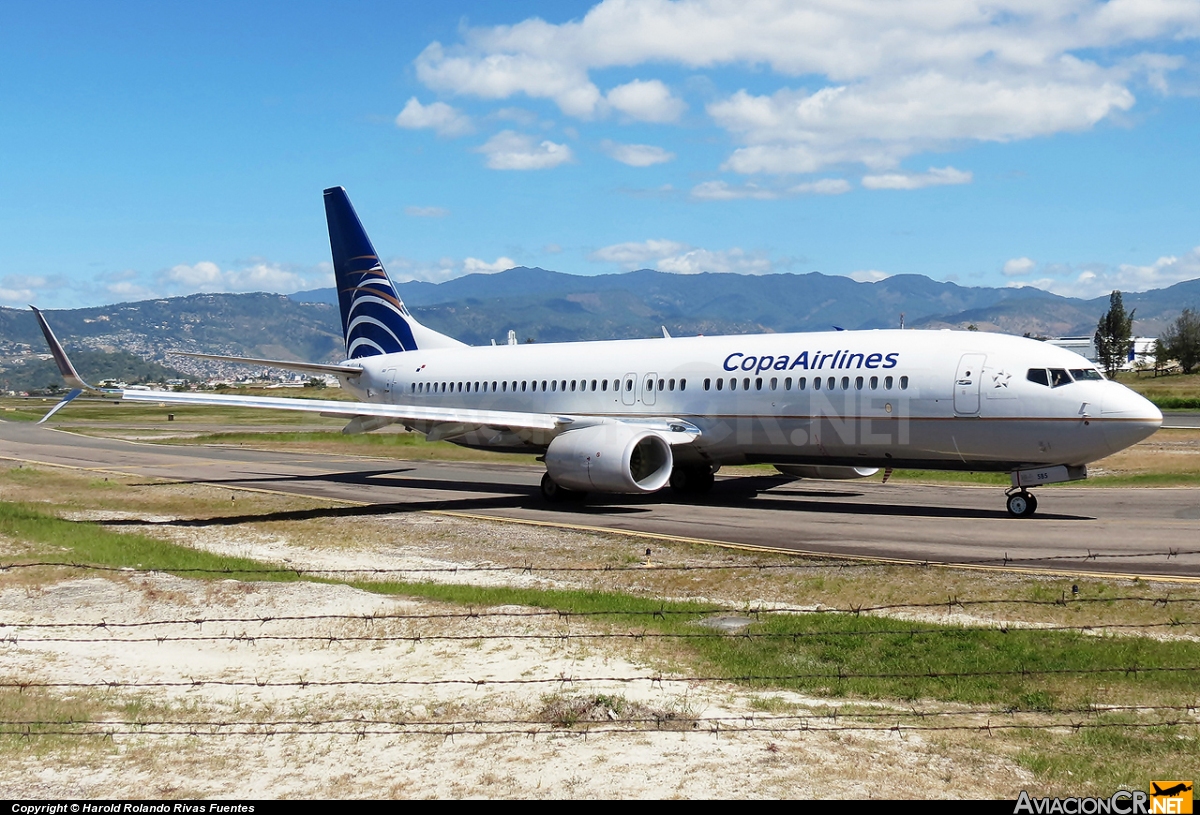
(16, 633)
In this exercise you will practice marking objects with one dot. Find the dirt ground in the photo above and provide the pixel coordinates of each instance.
(631, 736)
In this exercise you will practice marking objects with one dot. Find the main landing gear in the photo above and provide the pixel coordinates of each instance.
(1021, 503)
(695, 480)
(555, 494)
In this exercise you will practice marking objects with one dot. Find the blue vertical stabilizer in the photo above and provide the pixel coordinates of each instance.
(374, 319)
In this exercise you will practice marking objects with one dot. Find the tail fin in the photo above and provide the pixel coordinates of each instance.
(374, 319)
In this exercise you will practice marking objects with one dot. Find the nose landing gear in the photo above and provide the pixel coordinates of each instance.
(1021, 503)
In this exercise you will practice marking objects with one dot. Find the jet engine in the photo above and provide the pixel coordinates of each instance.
(823, 471)
(613, 457)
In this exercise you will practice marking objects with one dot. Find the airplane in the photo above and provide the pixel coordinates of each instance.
(632, 416)
(1170, 792)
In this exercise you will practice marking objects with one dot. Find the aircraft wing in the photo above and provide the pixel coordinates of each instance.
(435, 422)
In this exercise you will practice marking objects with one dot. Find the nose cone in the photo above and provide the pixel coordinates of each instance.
(1127, 417)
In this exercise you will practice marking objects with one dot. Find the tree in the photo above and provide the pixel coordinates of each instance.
(1182, 340)
(1113, 335)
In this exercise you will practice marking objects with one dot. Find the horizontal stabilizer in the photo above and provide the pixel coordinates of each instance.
(303, 367)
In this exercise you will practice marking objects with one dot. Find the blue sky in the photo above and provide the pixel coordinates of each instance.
(151, 149)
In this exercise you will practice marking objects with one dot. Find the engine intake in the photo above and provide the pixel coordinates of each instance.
(612, 457)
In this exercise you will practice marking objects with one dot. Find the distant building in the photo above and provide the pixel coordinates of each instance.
(1141, 354)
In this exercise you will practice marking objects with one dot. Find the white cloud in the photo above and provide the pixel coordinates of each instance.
(21, 290)
(499, 75)
(207, 276)
(649, 101)
(202, 276)
(704, 260)
(636, 155)
(884, 80)
(476, 266)
(1018, 266)
(824, 186)
(632, 255)
(679, 258)
(936, 177)
(723, 191)
(426, 212)
(439, 116)
(509, 150)
(1096, 280)
(869, 276)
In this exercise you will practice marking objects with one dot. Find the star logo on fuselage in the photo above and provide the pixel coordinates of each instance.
(1000, 379)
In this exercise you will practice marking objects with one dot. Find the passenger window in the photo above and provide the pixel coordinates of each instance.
(787, 383)
(732, 383)
(554, 385)
(720, 384)
(671, 384)
(593, 384)
(874, 383)
(661, 384)
(564, 385)
(707, 384)
(845, 383)
(493, 387)
(829, 383)
(858, 383)
(629, 385)
(746, 384)
(1059, 377)
(649, 385)
(616, 384)
(758, 383)
(523, 384)
(683, 384)
(801, 383)
(887, 383)
(414, 387)
(904, 383)
(543, 386)
(816, 383)
(774, 383)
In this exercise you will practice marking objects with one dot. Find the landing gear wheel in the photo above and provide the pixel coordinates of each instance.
(1022, 504)
(555, 494)
(692, 480)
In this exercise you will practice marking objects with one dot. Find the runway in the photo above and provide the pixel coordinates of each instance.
(1148, 532)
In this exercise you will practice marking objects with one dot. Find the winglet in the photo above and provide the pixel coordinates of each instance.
(69, 375)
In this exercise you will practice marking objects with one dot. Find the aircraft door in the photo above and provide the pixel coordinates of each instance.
(966, 384)
(649, 392)
(629, 389)
(389, 381)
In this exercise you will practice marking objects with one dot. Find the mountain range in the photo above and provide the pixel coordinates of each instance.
(549, 306)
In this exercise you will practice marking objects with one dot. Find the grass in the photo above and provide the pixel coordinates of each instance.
(1167, 392)
(823, 647)
(92, 544)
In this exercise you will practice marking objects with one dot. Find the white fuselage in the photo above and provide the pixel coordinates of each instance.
(934, 399)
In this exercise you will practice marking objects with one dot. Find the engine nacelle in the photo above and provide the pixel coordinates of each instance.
(826, 472)
(611, 457)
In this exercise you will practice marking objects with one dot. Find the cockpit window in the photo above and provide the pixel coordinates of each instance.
(1038, 375)
(1079, 374)
(1059, 377)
